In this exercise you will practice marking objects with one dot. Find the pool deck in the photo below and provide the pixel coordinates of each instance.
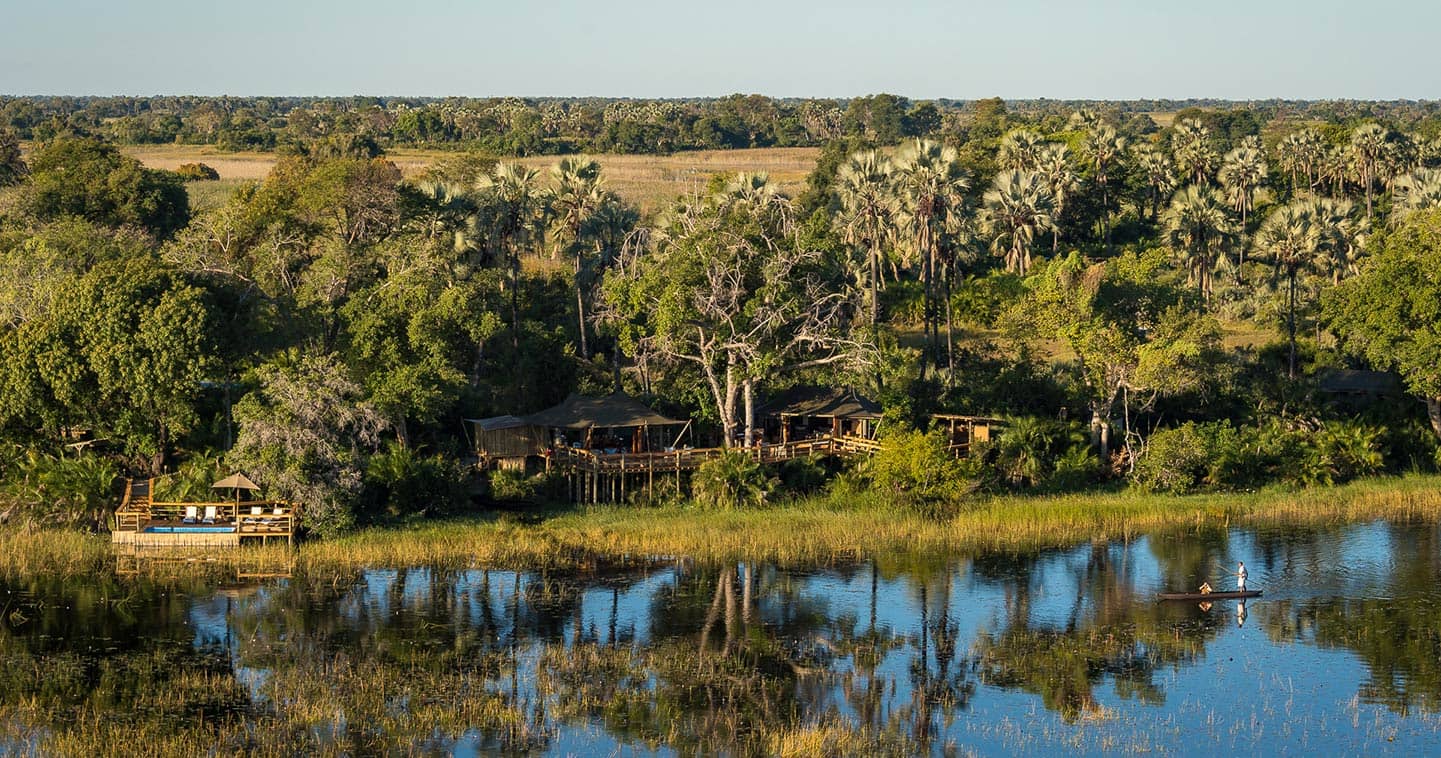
(141, 522)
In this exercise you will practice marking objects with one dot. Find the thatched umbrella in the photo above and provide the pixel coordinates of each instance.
(235, 482)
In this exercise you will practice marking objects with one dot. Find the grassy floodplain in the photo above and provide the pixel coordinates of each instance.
(649, 181)
(819, 530)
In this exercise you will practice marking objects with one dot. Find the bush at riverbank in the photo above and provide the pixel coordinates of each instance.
(816, 530)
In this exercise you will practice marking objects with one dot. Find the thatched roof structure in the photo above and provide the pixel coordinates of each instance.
(618, 410)
(821, 402)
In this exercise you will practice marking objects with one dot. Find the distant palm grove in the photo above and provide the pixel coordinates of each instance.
(1172, 296)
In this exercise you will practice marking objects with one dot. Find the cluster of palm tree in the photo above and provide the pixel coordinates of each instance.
(914, 206)
(508, 213)
(912, 209)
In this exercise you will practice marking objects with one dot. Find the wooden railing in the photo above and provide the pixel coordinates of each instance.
(577, 459)
(265, 517)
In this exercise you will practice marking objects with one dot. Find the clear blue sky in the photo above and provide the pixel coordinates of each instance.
(1377, 49)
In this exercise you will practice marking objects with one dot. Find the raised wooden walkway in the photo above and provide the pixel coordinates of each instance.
(607, 477)
(142, 522)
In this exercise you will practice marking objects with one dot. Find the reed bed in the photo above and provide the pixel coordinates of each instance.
(820, 530)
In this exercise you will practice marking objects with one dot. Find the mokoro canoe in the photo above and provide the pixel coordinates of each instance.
(1209, 595)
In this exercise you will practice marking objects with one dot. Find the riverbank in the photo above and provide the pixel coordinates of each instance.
(820, 530)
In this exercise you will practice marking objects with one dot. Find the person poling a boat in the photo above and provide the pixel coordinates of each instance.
(1240, 575)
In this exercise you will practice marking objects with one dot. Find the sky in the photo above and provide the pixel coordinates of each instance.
(1118, 49)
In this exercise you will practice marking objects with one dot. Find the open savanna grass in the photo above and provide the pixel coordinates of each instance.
(652, 181)
(648, 181)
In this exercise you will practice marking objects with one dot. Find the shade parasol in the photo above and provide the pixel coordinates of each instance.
(236, 482)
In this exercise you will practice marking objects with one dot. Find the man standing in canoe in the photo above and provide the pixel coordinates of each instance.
(1240, 576)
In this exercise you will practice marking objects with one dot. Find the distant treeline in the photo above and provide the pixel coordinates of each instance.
(552, 126)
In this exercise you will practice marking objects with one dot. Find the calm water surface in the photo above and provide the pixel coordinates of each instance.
(1063, 650)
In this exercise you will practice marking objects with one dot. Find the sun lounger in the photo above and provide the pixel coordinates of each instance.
(210, 512)
(191, 515)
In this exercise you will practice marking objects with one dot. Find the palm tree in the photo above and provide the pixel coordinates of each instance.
(864, 187)
(1085, 119)
(1368, 150)
(1191, 148)
(1333, 169)
(1343, 237)
(1292, 239)
(1160, 174)
(1301, 153)
(1243, 171)
(517, 206)
(450, 211)
(1198, 227)
(1103, 148)
(1018, 206)
(931, 185)
(577, 198)
(1053, 163)
(1019, 150)
(1418, 190)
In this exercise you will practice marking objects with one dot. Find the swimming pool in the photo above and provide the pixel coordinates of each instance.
(190, 529)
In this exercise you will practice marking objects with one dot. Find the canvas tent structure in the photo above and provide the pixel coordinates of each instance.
(616, 423)
(807, 412)
(506, 442)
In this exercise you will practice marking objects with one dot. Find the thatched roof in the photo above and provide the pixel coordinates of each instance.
(617, 410)
(821, 402)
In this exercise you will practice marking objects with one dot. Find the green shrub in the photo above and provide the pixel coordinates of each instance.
(1174, 460)
(733, 480)
(1342, 451)
(802, 476)
(191, 480)
(400, 481)
(1216, 456)
(1036, 452)
(69, 491)
(197, 172)
(918, 469)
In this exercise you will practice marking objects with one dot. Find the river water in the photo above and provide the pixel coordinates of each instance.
(1058, 650)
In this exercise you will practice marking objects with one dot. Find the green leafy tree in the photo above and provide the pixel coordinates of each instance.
(82, 176)
(12, 165)
(728, 288)
(304, 435)
(1397, 326)
(122, 351)
(1133, 338)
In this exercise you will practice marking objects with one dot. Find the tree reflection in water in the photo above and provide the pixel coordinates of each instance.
(884, 656)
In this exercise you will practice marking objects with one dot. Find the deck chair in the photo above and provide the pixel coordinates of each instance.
(191, 515)
(254, 517)
(210, 512)
(277, 512)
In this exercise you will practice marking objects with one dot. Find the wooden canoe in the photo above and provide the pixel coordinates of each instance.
(1209, 595)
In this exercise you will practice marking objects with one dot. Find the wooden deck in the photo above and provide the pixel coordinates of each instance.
(142, 522)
